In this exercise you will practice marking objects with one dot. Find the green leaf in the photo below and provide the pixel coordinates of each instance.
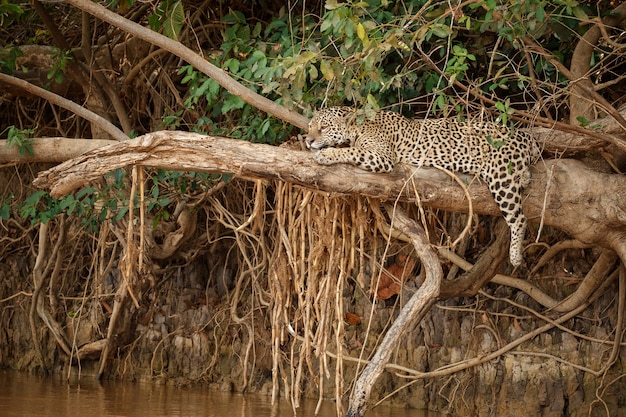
(174, 20)
(232, 103)
(580, 13)
(440, 30)
(332, 4)
(5, 210)
(232, 65)
(18, 138)
(583, 121)
(234, 17)
(84, 192)
(327, 70)
(540, 13)
(256, 32)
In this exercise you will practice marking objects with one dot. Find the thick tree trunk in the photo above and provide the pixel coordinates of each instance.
(563, 193)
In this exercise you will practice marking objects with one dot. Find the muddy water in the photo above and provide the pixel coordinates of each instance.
(25, 395)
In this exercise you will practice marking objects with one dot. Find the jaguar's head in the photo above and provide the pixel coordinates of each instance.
(330, 128)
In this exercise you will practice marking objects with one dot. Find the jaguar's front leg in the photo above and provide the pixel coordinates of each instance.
(362, 158)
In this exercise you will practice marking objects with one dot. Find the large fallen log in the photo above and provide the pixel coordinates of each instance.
(566, 194)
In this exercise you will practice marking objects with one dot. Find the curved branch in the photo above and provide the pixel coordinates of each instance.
(418, 305)
(194, 59)
(104, 124)
(581, 62)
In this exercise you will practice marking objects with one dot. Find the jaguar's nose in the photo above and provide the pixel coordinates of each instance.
(309, 142)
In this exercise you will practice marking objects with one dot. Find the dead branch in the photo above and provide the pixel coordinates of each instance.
(580, 103)
(51, 149)
(98, 120)
(584, 88)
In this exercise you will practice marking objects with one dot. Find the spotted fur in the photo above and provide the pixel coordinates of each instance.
(499, 155)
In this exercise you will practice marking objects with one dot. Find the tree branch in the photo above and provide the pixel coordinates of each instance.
(62, 149)
(104, 124)
(563, 193)
(51, 149)
(194, 59)
(581, 103)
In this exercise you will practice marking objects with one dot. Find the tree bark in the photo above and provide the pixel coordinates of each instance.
(51, 149)
(565, 194)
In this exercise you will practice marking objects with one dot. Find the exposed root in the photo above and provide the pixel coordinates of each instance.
(554, 250)
(283, 258)
(416, 307)
(483, 271)
(38, 284)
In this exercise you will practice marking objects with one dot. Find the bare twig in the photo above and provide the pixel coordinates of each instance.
(53, 98)
(586, 89)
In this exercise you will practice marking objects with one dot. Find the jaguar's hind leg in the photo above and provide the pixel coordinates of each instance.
(507, 193)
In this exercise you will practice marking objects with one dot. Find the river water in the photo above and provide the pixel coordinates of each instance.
(23, 395)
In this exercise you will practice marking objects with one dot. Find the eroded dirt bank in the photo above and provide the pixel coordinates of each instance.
(270, 290)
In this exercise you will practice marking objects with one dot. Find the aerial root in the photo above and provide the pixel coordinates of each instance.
(417, 306)
(555, 249)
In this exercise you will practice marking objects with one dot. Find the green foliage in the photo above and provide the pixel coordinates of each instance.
(583, 121)
(5, 206)
(168, 18)
(19, 139)
(8, 58)
(9, 12)
(376, 54)
(61, 59)
(93, 206)
(414, 56)
(505, 111)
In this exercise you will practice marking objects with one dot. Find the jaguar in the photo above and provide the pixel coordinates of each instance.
(499, 155)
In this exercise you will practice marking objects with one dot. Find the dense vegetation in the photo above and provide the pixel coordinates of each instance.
(414, 56)
(557, 64)
(498, 59)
